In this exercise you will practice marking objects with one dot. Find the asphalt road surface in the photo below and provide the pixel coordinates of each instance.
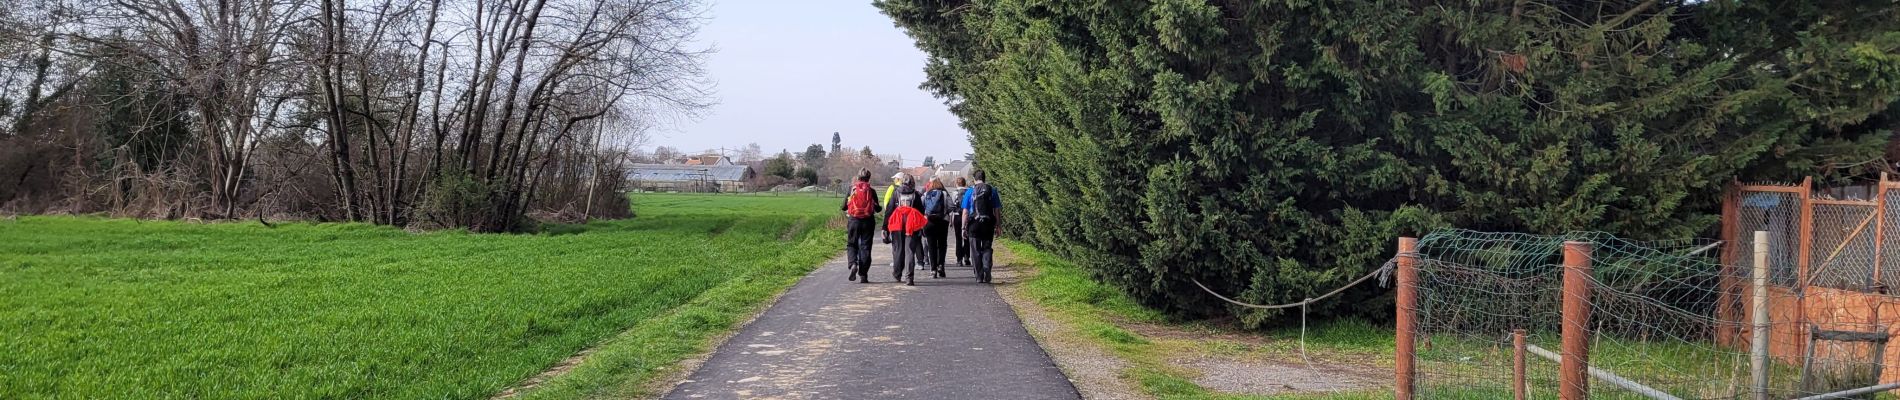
(828, 338)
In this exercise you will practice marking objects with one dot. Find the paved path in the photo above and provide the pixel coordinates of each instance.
(827, 338)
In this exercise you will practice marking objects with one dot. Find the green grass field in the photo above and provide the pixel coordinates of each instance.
(105, 308)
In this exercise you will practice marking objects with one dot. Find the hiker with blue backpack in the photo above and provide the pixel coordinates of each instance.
(982, 213)
(861, 208)
(937, 211)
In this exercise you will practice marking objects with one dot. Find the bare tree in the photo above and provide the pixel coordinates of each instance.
(463, 113)
(228, 57)
(752, 152)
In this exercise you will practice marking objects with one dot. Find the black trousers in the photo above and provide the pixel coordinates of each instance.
(963, 246)
(857, 243)
(983, 253)
(935, 241)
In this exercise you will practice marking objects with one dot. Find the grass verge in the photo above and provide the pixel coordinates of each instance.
(1150, 346)
(103, 308)
(1155, 353)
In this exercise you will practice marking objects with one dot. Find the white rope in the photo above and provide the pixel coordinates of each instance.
(1308, 361)
(1384, 270)
(1387, 268)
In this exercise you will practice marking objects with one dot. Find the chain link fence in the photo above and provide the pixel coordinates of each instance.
(1500, 315)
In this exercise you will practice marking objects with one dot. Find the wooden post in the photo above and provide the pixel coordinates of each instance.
(1758, 303)
(1803, 246)
(1406, 357)
(1517, 365)
(1729, 288)
(1573, 379)
(1880, 235)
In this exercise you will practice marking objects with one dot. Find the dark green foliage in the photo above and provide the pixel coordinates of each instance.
(1275, 149)
(809, 175)
(780, 166)
(813, 157)
(135, 116)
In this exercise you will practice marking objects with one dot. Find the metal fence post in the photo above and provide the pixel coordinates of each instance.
(1573, 379)
(1405, 363)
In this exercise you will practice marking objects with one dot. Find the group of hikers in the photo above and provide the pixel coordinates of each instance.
(917, 225)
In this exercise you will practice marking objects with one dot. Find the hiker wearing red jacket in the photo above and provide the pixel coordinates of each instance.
(860, 207)
(904, 223)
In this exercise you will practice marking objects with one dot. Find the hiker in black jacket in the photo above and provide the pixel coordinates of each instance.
(906, 194)
(937, 208)
(956, 222)
(982, 213)
(858, 230)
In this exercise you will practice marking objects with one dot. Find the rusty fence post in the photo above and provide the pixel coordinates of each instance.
(1405, 357)
(1880, 236)
(1804, 243)
(1573, 379)
(1518, 384)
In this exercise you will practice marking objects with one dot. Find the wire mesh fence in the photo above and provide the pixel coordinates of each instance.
(1841, 253)
(1778, 213)
(1501, 315)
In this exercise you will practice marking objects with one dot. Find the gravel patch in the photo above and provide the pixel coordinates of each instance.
(1259, 377)
(1094, 371)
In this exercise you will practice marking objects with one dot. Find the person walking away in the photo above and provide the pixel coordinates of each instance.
(861, 208)
(890, 195)
(936, 211)
(982, 213)
(905, 227)
(956, 222)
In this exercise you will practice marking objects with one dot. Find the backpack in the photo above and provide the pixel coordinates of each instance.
(980, 206)
(934, 206)
(860, 204)
(952, 202)
(906, 199)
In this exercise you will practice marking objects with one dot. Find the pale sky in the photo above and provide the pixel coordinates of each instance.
(789, 73)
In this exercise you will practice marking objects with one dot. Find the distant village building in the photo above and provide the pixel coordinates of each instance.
(709, 159)
(707, 173)
(949, 172)
(922, 174)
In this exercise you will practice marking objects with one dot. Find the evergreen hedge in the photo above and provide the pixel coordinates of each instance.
(1275, 149)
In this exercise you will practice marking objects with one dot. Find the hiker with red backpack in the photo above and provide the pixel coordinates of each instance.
(904, 225)
(861, 208)
(982, 213)
(937, 212)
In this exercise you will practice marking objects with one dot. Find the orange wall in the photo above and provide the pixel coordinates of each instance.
(1828, 309)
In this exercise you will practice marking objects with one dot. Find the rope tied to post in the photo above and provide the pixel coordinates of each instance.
(1384, 273)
